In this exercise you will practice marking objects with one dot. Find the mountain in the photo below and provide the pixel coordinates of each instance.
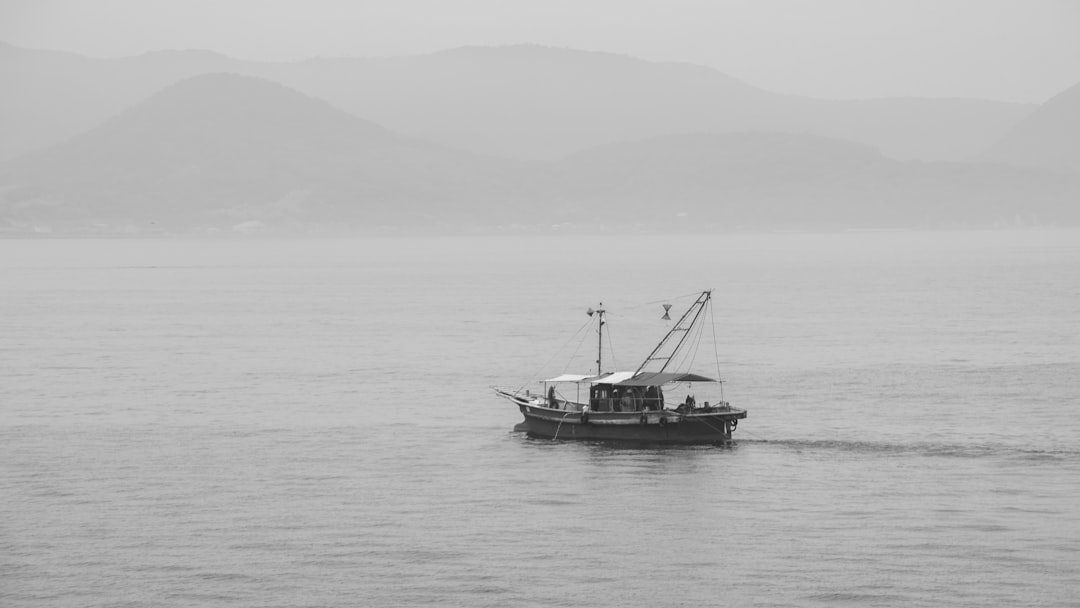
(221, 152)
(544, 103)
(221, 149)
(524, 102)
(50, 96)
(225, 152)
(769, 180)
(1049, 138)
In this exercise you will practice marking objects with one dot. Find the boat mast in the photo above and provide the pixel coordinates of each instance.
(600, 341)
(696, 309)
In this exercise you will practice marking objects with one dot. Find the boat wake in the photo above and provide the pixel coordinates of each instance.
(928, 449)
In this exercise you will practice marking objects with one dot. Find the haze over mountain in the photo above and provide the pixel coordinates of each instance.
(217, 149)
(801, 181)
(544, 103)
(1049, 138)
(50, 96)
(224, 152)
(526, 102)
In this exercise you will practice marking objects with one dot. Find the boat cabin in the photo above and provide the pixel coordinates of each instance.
(615, 398)
(618, 391)
(635, 392)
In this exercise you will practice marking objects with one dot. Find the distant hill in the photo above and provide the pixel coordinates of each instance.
(50, 96)
(524, 102)
(537, 102)
(799, 181)
(1049, 138)
(221, 149)
(226, 152)
(223, 152)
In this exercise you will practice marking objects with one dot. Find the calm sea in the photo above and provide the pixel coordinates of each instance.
(308, 423)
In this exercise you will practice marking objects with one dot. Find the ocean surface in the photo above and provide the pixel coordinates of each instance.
(309, 422)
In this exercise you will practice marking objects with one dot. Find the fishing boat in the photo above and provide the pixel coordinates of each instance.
(632, 406)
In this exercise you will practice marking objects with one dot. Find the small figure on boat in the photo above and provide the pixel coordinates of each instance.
(653, 398)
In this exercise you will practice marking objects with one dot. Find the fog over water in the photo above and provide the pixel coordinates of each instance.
(309, 422)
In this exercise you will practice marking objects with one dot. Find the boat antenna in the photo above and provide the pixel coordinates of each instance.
(599, 312)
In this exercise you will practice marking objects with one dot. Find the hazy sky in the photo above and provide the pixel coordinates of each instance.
(1012, 50)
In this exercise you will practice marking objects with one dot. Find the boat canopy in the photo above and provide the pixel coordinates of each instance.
(570, 378)
(629, 379)
(659, 378)
(605, 378)
(612, 378)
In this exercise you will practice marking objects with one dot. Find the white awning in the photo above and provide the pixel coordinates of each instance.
(570, 378)
(657, 379)
(612, 378)
(606, 378)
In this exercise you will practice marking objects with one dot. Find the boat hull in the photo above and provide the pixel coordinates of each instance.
(643, 427)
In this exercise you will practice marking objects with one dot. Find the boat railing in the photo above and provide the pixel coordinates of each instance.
(566, 405)
(617, 404)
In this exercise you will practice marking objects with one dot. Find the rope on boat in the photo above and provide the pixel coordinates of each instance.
(665, 301)
(556, 354)
(716, 352)
(558, 428)
(584, 335)
(690, 354)
(611, 347)
(712, 426)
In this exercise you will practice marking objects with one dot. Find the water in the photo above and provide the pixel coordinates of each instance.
(308, 423)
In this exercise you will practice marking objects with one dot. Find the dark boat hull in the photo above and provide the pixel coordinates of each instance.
(702, 427)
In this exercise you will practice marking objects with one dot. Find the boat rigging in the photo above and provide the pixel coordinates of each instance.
(632, 405)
